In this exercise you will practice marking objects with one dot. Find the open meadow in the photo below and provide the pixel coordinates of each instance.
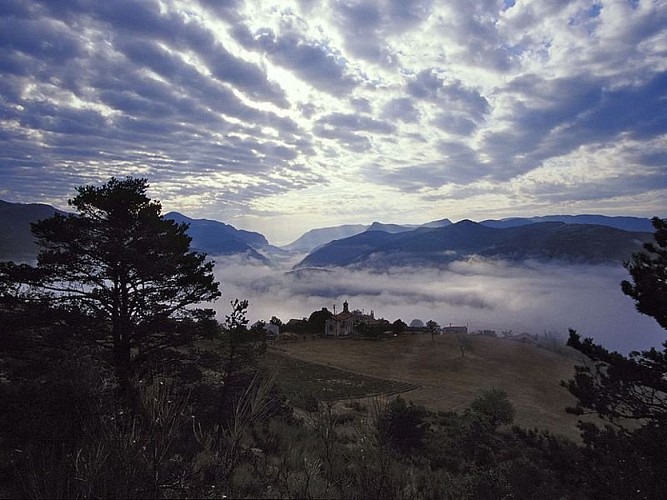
(441, 379)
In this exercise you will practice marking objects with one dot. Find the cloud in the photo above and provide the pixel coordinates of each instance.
(401, 108)
(313, 62)
(553, 118)
(457, 164)
(352, 130)
(125, 96)
(460, 110)
(253, 106)
(529, 296)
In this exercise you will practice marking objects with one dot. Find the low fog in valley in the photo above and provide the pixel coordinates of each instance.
(532, 296)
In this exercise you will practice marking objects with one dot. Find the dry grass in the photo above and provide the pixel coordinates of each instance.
(530, 375)
(300, 380)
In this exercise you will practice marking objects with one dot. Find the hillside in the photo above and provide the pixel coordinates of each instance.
(435, 246)
(312, 239)
(217, 238)
(17, 242)
(529, 374)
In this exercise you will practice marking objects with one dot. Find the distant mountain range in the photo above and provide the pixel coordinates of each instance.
(585, 238)
(435, 246)
(210, 236)
(637, 224)
(315, 238)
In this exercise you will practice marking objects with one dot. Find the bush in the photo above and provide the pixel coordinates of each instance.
(494, 407)
(401, 425)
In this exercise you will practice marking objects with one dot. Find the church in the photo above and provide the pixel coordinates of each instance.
(341, 324)
(344, 323)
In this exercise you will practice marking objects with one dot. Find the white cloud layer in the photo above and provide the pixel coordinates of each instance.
(530, 296)
(400, 110)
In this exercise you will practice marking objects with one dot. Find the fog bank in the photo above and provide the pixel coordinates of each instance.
(531, 296)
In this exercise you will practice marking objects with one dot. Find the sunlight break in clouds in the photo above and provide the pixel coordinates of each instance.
(280, 116)
(531, 296)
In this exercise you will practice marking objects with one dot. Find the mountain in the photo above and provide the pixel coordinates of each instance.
(17, 243)
(436, 246)
(438, 223)
(637, 224)
(317, 237)
(213, 237)
(391, 228)
(217, 238)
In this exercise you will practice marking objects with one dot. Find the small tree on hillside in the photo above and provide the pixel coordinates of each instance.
(464, 342)
(118, 261)
(433, 328)
(494, 407)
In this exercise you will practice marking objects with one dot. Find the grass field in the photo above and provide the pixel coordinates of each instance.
(445, 381)
(301, 380)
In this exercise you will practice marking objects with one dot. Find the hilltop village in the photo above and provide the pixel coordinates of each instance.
(356, 323)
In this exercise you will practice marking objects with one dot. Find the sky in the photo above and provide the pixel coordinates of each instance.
(282, 116)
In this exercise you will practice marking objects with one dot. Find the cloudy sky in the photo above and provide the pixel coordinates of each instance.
(280, 116)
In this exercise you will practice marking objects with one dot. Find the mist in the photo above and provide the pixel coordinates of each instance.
(531, 296)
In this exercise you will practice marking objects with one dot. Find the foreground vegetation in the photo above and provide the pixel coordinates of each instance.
(66, 433)
(113, 385)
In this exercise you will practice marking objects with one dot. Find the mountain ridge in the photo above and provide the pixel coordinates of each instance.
(544, 240)
(218, 238)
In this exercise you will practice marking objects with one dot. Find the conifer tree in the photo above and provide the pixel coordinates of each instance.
(118, 261)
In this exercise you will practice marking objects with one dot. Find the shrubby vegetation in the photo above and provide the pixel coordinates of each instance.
(628, 394)
(196, 412)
